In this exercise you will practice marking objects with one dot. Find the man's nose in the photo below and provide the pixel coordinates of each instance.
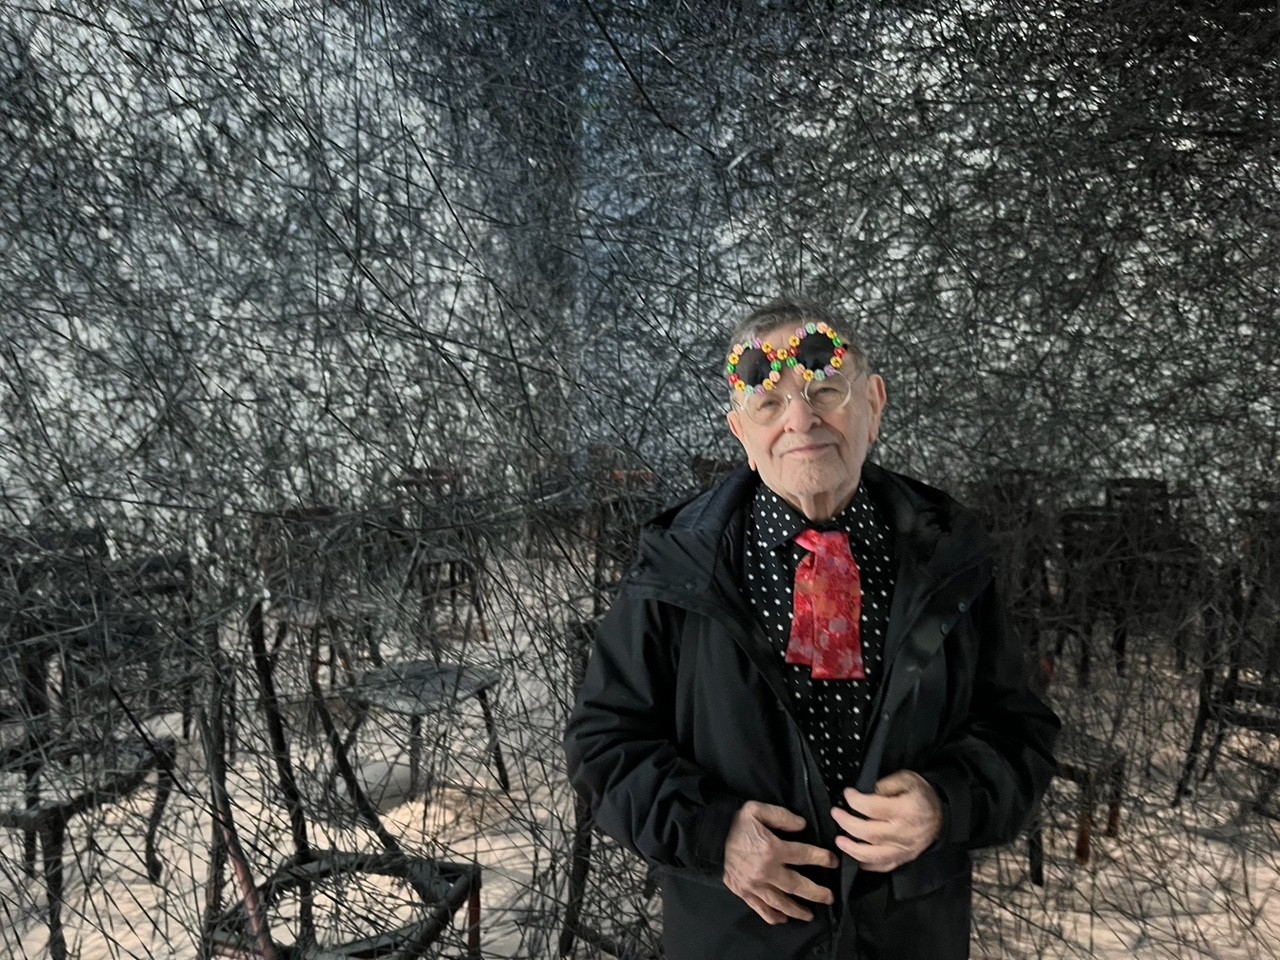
(799, 415)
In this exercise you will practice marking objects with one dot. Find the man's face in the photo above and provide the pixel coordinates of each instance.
(813, 462)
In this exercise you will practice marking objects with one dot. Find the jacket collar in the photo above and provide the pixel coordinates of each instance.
(693, 541)
(691, 554)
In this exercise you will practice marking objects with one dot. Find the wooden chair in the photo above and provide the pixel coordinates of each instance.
(1160, 578)
(1011, 504)
(73, 698)
(1097, 767)
(553, 504)
(1240, 671)
(427, 690)
(441, 531)
(1124, 568)
(626, 943)
(445, 568)
(305, 908)
(1091, 562)
(623, 495)
(329, 576)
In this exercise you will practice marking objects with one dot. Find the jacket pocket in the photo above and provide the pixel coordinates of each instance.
(933, 869)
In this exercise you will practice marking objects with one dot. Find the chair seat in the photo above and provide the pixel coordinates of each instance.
(442, 887)
(75, 777)
(421, 687)
(1260, 719)
(1081, 755)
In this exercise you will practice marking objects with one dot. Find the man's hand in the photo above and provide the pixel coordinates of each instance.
(903, 819)
(757, 863)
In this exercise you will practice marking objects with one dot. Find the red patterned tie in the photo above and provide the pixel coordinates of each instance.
(826, 628)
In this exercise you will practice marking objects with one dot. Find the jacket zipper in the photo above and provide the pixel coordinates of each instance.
(813, 809)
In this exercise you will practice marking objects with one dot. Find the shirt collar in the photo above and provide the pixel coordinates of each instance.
(772, 533)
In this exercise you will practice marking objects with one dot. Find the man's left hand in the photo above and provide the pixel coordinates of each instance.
(903, 819)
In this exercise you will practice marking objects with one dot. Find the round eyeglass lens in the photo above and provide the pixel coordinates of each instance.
(829, 394)
(824, 396)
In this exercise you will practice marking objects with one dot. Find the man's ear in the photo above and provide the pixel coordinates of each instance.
(876, 399)
(734, 419)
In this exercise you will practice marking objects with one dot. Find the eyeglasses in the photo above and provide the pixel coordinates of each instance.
(825, 396)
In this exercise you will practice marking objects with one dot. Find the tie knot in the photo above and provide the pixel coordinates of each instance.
(823, 541)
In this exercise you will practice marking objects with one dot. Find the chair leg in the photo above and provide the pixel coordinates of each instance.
(1197, 736)
(1180, 646)
(53, 831)
(1084, 828)
(579, 866)
(30, 835)
(494, 746)
(164, 787)
(1214, 748)
(1115, 794)
(1120, 645)
(415, 751)
(473, 920)
(1035, 853)
(1086, 640)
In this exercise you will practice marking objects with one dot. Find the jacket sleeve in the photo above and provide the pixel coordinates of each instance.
(997, 763)
(622, 752)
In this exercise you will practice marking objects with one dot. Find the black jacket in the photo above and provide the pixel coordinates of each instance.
(683, 717)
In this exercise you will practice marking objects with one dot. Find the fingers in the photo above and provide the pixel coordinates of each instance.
(901, 794)
(871, 805)
(900, 781)
(873, 858)
(864, 830)
(785, 909)
(778, 818)
(757, 864)
(801, 886)
(876, 845)
(894, 825)
(807, 855)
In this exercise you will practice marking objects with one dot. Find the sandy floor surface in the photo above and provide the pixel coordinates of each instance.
(1201, 880)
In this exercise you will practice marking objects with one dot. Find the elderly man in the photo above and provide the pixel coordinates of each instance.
(806, 706)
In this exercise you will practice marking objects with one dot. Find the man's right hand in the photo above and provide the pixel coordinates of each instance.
(757, 863)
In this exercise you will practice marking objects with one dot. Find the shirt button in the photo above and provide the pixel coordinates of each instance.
(963, 606)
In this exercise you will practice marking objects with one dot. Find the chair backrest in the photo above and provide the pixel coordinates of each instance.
(53, 587)
(1145, 495)
(1260, 545)
(432, 484)
(1091, 551)
(1143, 508)
(315, 551)
(90, 642)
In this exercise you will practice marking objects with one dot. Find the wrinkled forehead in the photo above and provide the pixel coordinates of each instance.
(762, 360)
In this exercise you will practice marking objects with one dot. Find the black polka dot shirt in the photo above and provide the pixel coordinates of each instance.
(832, 713)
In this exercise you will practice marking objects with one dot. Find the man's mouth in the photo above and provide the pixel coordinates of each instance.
(807, 450)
